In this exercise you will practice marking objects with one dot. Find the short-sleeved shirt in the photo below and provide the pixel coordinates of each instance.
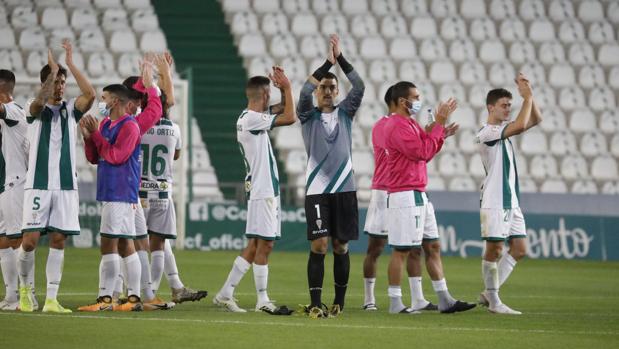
(159, 144)
(14, 145)
(262, 178)
(52, 136)
(500, 189)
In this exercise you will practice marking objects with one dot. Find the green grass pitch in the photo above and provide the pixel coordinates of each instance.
(566, 304)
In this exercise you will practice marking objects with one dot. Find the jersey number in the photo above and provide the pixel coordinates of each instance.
(36, 203)
(155, 161)
(317, 210)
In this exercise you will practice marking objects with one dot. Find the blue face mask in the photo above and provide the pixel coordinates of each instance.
(415, 107)
(103, 109)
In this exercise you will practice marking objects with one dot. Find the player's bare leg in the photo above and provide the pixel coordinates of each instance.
(398, 256)
(25, 269)
(517, 251)
(8, 264)
(415, 271)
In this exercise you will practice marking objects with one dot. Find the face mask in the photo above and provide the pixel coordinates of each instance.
(103, 109)
(415, 107)
(138, 111)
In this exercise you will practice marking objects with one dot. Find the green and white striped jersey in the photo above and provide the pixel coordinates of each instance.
(52, 136)
(158, 147)
(14, 144)
(262, 179)
(500, 189)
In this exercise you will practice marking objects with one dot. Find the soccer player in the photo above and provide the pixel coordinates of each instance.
(500, 214)
(409, 148)
(115, 148)
(13, 166)
(50, 197)
(331, 197)
(261, 185)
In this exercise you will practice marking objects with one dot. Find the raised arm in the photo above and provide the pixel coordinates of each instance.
(352, 102)
(47, 88)
(85, 100)
(288, 115)
(163, 63)
(306, 101)
(153, 111)
(536, 115)
(522, 120)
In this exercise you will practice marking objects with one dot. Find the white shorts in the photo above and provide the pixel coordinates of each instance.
(406, 218)
(430, 228)
(263, 219)
(161, 218)
(118, 220)
(501, 224)
(51, 211)
(376, 217)
(140, 222)
(11, 207)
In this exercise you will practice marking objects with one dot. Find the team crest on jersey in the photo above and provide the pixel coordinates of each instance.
(319, 223)
(63, 113)
(265, 117)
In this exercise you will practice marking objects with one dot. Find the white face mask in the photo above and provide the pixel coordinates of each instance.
(138, 111)
(415, 107)
(103, 109)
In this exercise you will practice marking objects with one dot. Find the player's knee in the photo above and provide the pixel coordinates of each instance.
(432, 249)
(320, 246)
(340, 247)
(518, 253)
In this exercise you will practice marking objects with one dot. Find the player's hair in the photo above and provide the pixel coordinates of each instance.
(133, 93)
(118, 90)
(496, 94)
(401, 90)
(387, 97)
(46, 70)
(331, 76)
(7, 80)
(255, 85)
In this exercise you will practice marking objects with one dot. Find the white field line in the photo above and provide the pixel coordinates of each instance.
(318, 323)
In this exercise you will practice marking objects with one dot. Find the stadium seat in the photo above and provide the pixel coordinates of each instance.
(521, 164)
(358, 138)
(359, 66)
(543, 166)
(501, 74)
(369, 113)
(581, 53)
(562, 143)
(534, 142)
(123, 41)
(266, 6)
(492, 51)
(304, 24)
(54, 17)
(296, 161)
(554, 119)
(313, 46)
(349, 45)
(402, 48)
(560, 10)
(413, 70)
(413, 8)
(11, 59)
(23, 17)
(610, 188)
(443, 8)
(114, 19)
(59, 34)
(462, 183)
(593, 75)
(355, 6)
(453, 28)
(153, 41)
(541, 31)
(472, 72)
(584, 187)
(601, 98)
(582, 120)
(461, 50)
(613, 78)
(382, 70)
(551, 53)
(91, 40)
(436, 183)
(545, 96)
(467, 141)
(476, 168)
(363, 25)
(333, 23)
(292, 7)
(200, 158)
(364, 184)
(252, 45)
(471, 9)
(482, 29)
(561, 75)
(137, 4)
(593, 144)
(609, 121)
(384, 7)
(601, 33)
(614, 146)
(521, 52)
(571, 98)
(323, 7)
(502, 9)
(532, 10)
(553, 185)
(465, 117)
(101, 4)
(78, 3)
(512, 30)
(442, 71)
(392, 26)
(274, 23)
(452, 90)
(283, 45)
(451, 164)
(477, 94)
(574, 167)
(373, 47)
(590, 11)
(571, 31)
(423, 27)
(78, 59)
(288, 138)
(294, 66)
(242, 23)
(608, 55)
(363, 162)
(84, 19)
(527, 185)
(32, 39)
(129, 64)
(7, 37)
(35, 61)
(613, 12)
(432, 49)
(428, 94)
(604, 168)
(101, 63)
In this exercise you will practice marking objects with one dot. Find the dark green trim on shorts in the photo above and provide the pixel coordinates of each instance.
(140, 237)
(63, 232)
(256, 236)
(518, 236)
(430, 239)
(376, 236)
(493, 239)
(15, 236)
(165, 236)
(403, 248)
(34, 230)
(113, 236)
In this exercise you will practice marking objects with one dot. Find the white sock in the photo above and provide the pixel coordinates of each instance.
(491, 281)
(395, 299)
(132, 262)
(369, 290)
(506, 265)
(261, 279)
(108, 274)
(53, 271)
(445, 300)
(239, 268)
(25, 267)
(418, 301)
(8, 264)
(120, 278)
(170, 268)
(157, 260)
(145, 280)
